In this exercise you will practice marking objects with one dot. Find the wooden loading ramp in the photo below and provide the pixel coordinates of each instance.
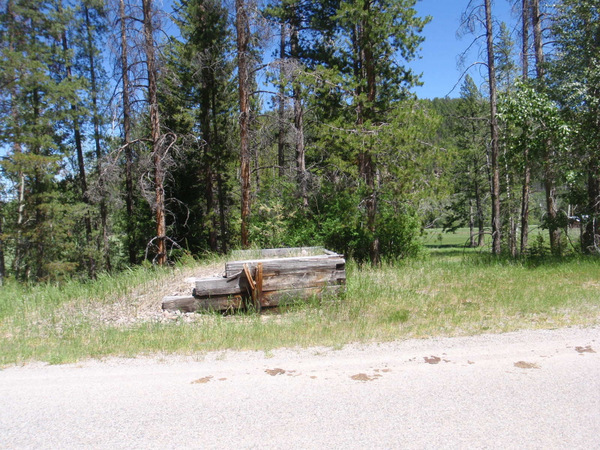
(266, 278)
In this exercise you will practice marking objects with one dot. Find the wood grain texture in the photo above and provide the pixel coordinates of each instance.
(289, 265)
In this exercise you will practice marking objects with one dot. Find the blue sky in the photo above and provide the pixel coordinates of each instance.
(441, 48)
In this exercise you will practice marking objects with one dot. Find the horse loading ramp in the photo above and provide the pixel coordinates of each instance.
(266, 278)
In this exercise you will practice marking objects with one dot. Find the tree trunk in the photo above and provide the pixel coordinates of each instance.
(281, 107)
(549, 175)
(525, 9)
(480, 219)
(365, 72)
(91, 263)
(298, 113)
(219, 170)
(2, 262)
(471, 224)
(98, 150)
(589, 238)
(525, 204)
(127, 137)
(496, 226)
(222, 213)
(209, 153)
(157, 147)
(243, 38)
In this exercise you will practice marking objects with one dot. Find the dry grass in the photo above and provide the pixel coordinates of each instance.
(442, 296)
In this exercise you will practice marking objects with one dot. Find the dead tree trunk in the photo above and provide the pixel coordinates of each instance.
(155, 135)
(127, 136)
(243, 39)
(494, 153)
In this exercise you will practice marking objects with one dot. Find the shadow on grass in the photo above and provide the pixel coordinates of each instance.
(482, 256)
(433, 253)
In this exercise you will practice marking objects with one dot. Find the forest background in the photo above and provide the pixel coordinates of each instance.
(134, 132)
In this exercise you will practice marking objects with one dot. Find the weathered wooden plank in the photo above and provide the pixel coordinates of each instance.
(192, 304)
(268, 299)
(294, 264)
(298, 280)
(216, 286)
(278, 252)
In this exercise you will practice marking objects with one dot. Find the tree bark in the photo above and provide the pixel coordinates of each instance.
(2, 261)
(365, 69)
(549, 175)
(157, 147)
(298, 111)
(127, 137)
(496, 225)
(480, 218)
(243, 38)
(98, 149)
(91, 263)
(281, 106)
(219, 177)
(209, 152)
(589, 238)
(525, 10)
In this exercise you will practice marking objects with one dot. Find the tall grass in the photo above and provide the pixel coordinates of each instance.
(444, 295)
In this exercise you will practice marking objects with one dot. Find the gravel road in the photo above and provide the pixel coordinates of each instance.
(530, 389)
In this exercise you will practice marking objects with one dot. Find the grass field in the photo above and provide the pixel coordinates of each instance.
(449, 291)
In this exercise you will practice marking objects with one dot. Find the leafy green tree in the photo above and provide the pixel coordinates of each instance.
(506, 69)
(575, 78)
(360, 85)
(534, 120)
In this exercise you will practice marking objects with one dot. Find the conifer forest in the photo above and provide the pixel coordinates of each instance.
(139, 131)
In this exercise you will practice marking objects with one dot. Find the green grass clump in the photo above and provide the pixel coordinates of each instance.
(449, 293)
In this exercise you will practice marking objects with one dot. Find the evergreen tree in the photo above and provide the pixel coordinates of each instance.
(36, 100)
(359, 85)
(576, 86)
(200, 108)
(469, 172)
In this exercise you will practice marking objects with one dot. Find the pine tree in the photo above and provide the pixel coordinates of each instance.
(37, 104)
(368, 83)
(576, 86)
(200, 103)
(469, 173)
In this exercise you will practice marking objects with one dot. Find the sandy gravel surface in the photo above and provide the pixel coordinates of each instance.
(530, 389)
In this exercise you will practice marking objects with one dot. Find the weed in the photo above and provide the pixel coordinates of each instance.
(454, 293)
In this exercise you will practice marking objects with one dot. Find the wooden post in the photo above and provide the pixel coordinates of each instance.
(257, 294)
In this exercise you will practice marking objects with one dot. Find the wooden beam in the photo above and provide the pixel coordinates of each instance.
(294, 264)
(268, 299)
(192, 304)
(216, 286)
(278, 252)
